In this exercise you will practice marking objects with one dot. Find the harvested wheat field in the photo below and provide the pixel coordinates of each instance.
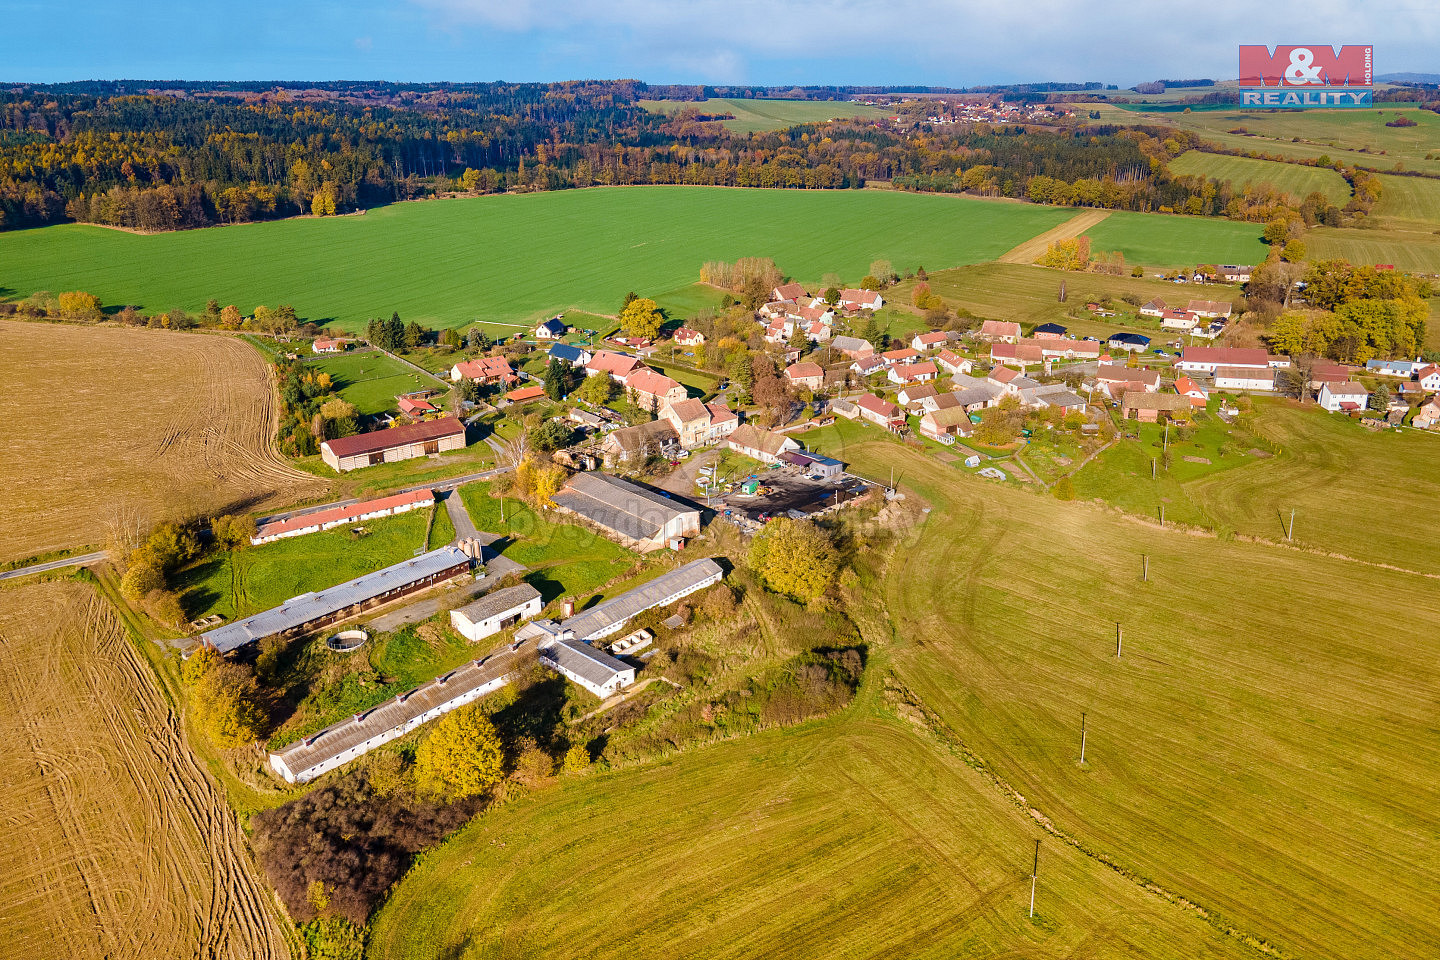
(115, 843)
(105, 421)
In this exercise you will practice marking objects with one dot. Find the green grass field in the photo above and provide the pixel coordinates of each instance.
(515, 258)
(241, 582)
(1408, 249)
(1415, 201)
(1254, 750)
(1355, 136)
(1172, 241)
(371, 380)
(1294, 179)
(758, 116)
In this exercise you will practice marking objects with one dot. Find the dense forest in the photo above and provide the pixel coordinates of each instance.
(192, 155)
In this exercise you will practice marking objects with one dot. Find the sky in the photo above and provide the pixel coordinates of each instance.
(769, 42)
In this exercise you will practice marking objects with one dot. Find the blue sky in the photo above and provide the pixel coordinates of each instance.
(776, 42)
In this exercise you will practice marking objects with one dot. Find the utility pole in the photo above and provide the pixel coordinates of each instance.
(1152, 468)
(1144, 568)
(1118, 640)
(1162, 514)
(1167, 436)
(1082, 738)
(1290, 532)
(1034, 872)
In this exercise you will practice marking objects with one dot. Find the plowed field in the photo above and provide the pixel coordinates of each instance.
(115, 842)
(104, 422)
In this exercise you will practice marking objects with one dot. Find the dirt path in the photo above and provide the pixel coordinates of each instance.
(116, 842)
(1032, 249)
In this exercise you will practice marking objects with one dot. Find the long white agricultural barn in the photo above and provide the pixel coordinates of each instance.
(606, 618)
(339, 743)
(339, 516)
(311, 611)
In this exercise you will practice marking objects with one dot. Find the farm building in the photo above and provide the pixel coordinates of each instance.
(1244, 378)
(483, 369)
(1147, 407)
(806, 374)
(1209, 359)
(525, 394)
(569, 353)
(1393, 368)
(999, 331)
(609, 617)
(339, 743)
(637, 517)
(339, 516)
(763, 445)
(1024, 354)
(1068, 349)
(813, 464)
(311, 611)
(496, 611)
(595, 670)
(415, 406)
(1107, 373)
(397, 443)
(1133, 342)
(638, 442)
(1347, 397)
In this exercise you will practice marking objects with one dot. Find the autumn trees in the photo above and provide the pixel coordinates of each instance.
(795, 558)
(641, 317)
(461, 757)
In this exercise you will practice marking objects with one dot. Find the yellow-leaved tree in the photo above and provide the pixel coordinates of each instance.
(794, 557)
(462, 756)
(641, 318)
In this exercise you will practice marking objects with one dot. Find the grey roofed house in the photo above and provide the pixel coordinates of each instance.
(960, 381)
(498, 601)
(570, 354)
(848, 344)
(984, 393)
(596, 667)
(324, 605)
(608, 617)
(626, 508)
(640, 441)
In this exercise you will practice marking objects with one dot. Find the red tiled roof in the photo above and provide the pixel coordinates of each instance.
(525, 393)
(905, 353)
(340, 514)
(483, 367)
(875, 405)
(647, 381)
(362, 443)
(789, 291)
(803, 371)
(1227, 356)
(608, 361)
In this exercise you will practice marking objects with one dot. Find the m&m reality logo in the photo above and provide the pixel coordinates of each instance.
(1306, 76)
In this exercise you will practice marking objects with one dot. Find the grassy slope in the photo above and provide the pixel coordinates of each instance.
(370, 380)
(856, 836)
(1412, 200)
(515, 257)
(242, 582)
(1176, 241)
(1292, 178)
(757, 116)
(1408, 249)
(1255, 747)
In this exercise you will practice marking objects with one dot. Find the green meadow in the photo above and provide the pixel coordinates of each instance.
(758, 116)
(515, 257)
(1172, 241)
(1293, 178)
(371, 380)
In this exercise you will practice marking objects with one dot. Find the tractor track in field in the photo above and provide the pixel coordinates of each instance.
(1032, 249)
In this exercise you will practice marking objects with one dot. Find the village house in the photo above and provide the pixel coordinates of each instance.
(788, 293)
(653, 391)
(852, 300)
(1209, 359)
(1147, 407)
(881, 412)
(525, 394)
(330, 345)
(929, 341)
(415, 407)
(1231, 273)
(1051, 395)
(866, 366)
(1182, 320)
(617, 366)
(1022, 355)
(634, 444)
(397, 443)
(686, 337)
(998, 331)
(1108, 373)
(1210, 309)
(806, 374)
(1427, 415)
(496, 611)
(917, 394)
(552, 329)
(1327, 371)
(1130, 342)
(901, 355)
(1393, 368)
(763, 445)
(1048, 331)
(1153, 308)
(979, 397)
(1066, 349)
(1244, 378)
(484, 370)
(1343, 397)
(1428, 377)
(953, 363)
(913, 372)
(946, 425)
(577, 357)
(1196, 393)
(698, 423)
(853, 347)
(1003, 376)
(635, 516)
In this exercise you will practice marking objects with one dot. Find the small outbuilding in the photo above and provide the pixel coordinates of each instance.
(496, 611)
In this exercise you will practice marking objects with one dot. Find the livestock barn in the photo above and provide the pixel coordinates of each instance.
(398, 443)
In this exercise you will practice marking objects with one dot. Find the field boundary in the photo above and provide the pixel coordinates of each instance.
(1032, 249)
